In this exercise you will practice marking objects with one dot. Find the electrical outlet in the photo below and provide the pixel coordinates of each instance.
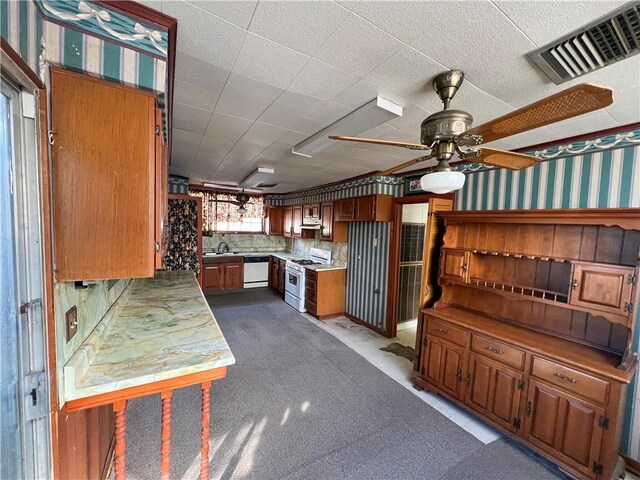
(71, 321)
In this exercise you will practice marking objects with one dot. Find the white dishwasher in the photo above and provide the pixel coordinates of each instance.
(256, 271)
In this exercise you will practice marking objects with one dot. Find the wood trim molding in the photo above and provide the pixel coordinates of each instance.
(365, 324)
(146, 389)
(21, 64)
(627, 218)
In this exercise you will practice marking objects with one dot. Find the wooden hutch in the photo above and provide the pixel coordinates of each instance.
(533, 331)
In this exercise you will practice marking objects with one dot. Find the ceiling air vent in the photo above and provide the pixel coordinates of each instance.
(607, 40)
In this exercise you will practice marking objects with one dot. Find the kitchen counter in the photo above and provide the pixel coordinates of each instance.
(328, 266)
(163, 329)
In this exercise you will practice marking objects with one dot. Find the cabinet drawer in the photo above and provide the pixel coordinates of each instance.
(570, 379)
(310, 274)
(447, 331)
(311, 306)
(310, 293)
(499, 351)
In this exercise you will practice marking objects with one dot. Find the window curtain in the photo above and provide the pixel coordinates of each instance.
(217, 209)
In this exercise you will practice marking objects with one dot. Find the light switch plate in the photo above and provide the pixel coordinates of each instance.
(71, 321)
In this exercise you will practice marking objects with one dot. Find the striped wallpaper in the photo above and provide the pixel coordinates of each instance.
(605, 179)
(21, 26)
(355, 188)
(367, 268)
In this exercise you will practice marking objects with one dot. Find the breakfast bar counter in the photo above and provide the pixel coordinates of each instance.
(159, 336)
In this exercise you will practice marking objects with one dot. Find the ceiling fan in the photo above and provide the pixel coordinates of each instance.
(241, 200)
(449, 131)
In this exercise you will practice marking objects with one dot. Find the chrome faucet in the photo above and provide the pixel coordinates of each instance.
(223, 247)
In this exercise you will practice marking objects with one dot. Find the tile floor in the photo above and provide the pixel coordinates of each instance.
(367, 343)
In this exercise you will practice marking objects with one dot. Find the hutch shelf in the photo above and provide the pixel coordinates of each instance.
(534, 327)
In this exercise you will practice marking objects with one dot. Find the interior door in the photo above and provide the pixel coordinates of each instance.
(24, 383)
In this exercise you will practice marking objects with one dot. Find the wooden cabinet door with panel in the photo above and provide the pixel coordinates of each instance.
(103, 179)
(444, 367)
(326, 225)
(365, 209)
(233, 277)
(345, 209)
(274, 221)
(454, 265)
(495, 391)
(602, 287)
(566, 427)
(296, 222)
(287, 221)
(213, 277)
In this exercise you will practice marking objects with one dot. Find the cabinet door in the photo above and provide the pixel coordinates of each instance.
(311, 212)
(287, 221)
(103, 179)
(345, 209)
(233, 275)
(563, 425)
(365, 209)
(454, 265)
(494, 390)
(275, 273)
(274, 221)
(213, 277)
(281, 277)
(444, 367)
(602, 287)
(326, 230)
(296, 231)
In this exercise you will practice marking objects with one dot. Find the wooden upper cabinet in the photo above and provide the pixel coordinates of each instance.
(602, 287)
(287, 221)
(371, 208)
(565, 426)
(162, 187)
(104, 179)
(296, 231)
(311, 213)
(274, 223)
(344, 209)
(331, 231)
(454, 265)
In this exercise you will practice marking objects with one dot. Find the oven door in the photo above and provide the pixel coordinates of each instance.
(294, 283)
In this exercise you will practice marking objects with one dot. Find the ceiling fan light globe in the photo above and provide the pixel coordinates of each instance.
(242, 210)
(442, 182)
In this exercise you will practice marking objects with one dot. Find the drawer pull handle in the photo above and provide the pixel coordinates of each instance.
(575, 284)
(495, 350)
(564, 377)
(464, 267)
(444, 330)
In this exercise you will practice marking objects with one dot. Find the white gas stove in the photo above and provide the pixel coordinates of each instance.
(295, 276)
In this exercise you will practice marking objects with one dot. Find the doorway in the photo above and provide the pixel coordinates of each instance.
(24, 393)
(412, 241)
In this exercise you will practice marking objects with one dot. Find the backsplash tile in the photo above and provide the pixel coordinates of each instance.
(246, 242)
(301, 247)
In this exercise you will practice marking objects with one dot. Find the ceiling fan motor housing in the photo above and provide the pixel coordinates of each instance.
(444, 125)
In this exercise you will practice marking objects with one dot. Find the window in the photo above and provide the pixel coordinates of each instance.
(220, 215)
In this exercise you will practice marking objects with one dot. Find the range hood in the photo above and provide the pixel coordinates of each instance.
(311, 226)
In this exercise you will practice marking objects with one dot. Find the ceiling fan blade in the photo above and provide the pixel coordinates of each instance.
(574, 101)
(404, 165)
(505, 159)
(390, 143)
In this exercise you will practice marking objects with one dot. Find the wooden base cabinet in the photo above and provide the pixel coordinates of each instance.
(325, 292)
(223, 273)
(567, 405)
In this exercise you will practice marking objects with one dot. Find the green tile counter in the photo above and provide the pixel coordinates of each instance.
(159, 336)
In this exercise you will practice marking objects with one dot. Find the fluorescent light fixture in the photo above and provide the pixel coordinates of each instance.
(368, 116)
(442, 182)
(258, 176)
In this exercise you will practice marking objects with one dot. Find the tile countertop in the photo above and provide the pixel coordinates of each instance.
(163, 329)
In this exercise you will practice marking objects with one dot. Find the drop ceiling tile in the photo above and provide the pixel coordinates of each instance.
(263, 134)
(363, 92)
(207, 162)
(195, 96)
(205, 36)
(298, 104)
(238, 12)
(268, 62)
(227, 127)
(320, 80)
(198, 72)
(309, 126)
(627, 115)
(559, 18)
(620, 76)
(245, 97)
(405, 71)
(412, 117)
(190, 119)
(279, 116)
(357, 46)
(331, 112)
(182, 157)
(293, 138)
(185, 139)
(216, 146)
(590, 122)
(301, 25)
